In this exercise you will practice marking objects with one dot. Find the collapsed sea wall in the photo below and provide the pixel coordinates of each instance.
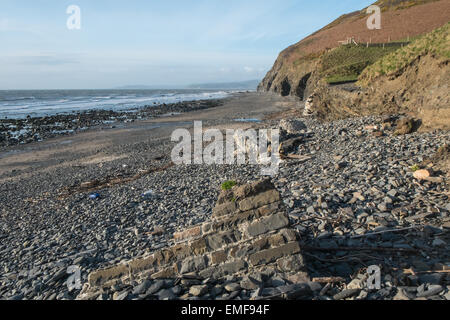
(249, 231)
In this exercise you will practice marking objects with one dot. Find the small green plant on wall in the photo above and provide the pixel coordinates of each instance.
(227, 185)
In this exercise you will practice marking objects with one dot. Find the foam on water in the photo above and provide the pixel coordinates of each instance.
(20, 104)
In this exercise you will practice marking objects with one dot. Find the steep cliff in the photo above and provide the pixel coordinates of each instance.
(299, 68)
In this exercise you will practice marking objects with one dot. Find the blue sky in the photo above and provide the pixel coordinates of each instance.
(170, 42)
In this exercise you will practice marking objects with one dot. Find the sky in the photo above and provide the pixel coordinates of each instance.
(148, 42)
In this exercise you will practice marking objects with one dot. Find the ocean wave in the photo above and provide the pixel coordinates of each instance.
(45, 103)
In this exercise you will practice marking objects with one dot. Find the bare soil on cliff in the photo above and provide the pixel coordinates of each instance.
(420, 90)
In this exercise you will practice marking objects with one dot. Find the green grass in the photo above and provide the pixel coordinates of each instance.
(414, 168)
(227, 185)
(436, 42)
(407, 39)
(345, 63)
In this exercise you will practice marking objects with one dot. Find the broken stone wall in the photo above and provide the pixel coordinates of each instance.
(248, 230)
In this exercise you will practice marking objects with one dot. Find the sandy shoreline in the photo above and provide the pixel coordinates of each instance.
(81, 148)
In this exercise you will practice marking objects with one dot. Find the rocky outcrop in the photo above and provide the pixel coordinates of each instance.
(293, 82)
(249, 232)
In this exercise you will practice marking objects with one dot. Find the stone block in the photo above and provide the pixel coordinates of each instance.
(271, 255)
(228, 268)
(259, 200)
(240, 251)
(224, 209)
(217, 241)
(232, 267)
(219, 257)
(261, 244)
(181, 251)
(141, 264)
(188, 234)
(198, 246)
(273, 222)
(166, 273)
(192, 264)
(99, 277)
(268, 209)
(276, 240)
(252, 189)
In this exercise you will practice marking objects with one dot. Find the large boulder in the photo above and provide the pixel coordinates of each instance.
(405, 126)
(292, 126)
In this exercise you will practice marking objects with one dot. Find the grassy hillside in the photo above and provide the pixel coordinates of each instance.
(436, 42)
(299, 67)
(346, 63)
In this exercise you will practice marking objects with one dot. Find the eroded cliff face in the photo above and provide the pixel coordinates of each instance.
(293, 80)
(419, 90)
(295, 72)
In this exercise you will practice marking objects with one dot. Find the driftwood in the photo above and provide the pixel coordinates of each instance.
(328, 279)
(411, 271)
(298, 157)
(108, 182)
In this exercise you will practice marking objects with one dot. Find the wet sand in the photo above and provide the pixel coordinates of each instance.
(99, 145)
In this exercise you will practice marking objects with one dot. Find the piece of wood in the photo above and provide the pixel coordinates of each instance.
(328, 279)
(298, 157)
(411, 271)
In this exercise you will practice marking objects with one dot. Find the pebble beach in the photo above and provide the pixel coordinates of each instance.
(350, 187)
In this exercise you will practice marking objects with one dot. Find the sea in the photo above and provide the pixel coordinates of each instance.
(19, 104)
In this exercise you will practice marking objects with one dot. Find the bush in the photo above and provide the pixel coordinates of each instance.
(227, 185)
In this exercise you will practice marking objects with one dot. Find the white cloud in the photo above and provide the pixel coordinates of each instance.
(248, 69)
